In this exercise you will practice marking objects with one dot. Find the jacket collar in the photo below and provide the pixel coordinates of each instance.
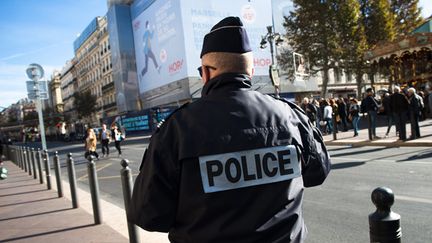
(227, 82)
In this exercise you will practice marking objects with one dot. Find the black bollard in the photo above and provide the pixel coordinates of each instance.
(47, 168)
(72, 180)
(33, 158)
(24, 156)
(94, 189)
(384, 225)
(58, 174)
(39, 165)
(126, 178)
(21, 155)
(26, 160)
(335, 127)
(29, 160)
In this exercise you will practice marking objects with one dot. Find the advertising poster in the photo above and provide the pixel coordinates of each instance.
(168, 36)
(159, 45)
(200, 16)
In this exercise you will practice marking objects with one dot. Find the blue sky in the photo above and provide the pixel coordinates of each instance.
(39, 31)
(42, 31)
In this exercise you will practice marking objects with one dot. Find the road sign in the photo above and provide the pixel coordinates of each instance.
(43, 86)
(42, 95)
(35, 72)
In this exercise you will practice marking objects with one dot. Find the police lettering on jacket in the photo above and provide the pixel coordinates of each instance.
(234, 170)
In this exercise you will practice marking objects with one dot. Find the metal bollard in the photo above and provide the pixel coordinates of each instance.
(29, 161)
(384, 225)
(58, 174)
(94, 189)
(33, 158)
(127, 184)
(19, 157)
(24, 156)
(47, 168)
(39, 165)
(72, 180)
(16, 154)
(335, 127)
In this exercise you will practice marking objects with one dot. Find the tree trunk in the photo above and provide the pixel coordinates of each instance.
(359, 75)
(325, 82)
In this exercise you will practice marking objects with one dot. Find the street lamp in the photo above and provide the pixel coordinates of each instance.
(272, 38)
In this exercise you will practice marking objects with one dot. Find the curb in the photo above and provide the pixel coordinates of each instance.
(381, 143)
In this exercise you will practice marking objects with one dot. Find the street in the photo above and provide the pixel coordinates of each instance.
(338, 210)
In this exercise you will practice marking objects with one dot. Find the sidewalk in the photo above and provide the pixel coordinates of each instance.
(346, 138)
(31, 213)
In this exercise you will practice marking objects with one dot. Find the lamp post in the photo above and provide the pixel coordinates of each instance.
(272, 38)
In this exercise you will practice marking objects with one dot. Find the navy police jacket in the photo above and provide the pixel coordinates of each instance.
(230, 167)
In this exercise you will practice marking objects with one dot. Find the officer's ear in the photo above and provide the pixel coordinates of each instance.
(205, 74)
(252, 72)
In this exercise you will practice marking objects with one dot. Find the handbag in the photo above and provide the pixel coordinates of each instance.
(323, 123)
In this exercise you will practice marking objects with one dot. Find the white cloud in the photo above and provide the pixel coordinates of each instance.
(426, 8)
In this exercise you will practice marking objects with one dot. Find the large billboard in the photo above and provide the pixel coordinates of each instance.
(203, 15)
(168, 36)
(159, 45)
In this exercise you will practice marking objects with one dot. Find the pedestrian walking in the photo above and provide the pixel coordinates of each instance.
(91, 143)
(118, 137)
(415, 108)
(105, 137)
(335, 114)
(327, 115)
(310, 110)
(399, 107)
(386, 103)
(342, 111)
(370, 106)
(232, 165)
(428, 101)
(354, 113)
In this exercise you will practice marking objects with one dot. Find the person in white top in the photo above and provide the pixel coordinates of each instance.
(118, 137)
(328, 111)
(105, 137)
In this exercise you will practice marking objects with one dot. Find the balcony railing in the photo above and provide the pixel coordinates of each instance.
(109, 106)
(107, 87)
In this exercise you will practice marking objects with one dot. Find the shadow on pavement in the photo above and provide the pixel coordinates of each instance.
(33, 184)
(346, 165)
(424, 155)
(343, 148)
(39, 200)
(20, 193)
(357, 152)
(36, 214)
(47, 233)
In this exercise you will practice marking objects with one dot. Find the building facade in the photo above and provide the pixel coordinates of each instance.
(94, 69)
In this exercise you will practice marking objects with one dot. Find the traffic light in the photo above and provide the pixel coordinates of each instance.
(3, 173)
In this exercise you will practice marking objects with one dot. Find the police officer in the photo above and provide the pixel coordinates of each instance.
(231, 166)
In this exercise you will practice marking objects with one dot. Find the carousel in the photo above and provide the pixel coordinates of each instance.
(406, 62)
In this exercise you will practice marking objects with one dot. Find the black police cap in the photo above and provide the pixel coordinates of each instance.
(228, 35)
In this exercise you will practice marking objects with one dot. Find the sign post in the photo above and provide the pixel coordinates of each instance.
(35, 72)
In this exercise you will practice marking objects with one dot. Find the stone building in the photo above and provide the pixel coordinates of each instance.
(93, 68)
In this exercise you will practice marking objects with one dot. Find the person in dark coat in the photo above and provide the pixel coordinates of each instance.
(231, 166)
(399, 107)
(310, 109)
(342, 109)
(415, 112)
(369, 105)
(388, 111)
